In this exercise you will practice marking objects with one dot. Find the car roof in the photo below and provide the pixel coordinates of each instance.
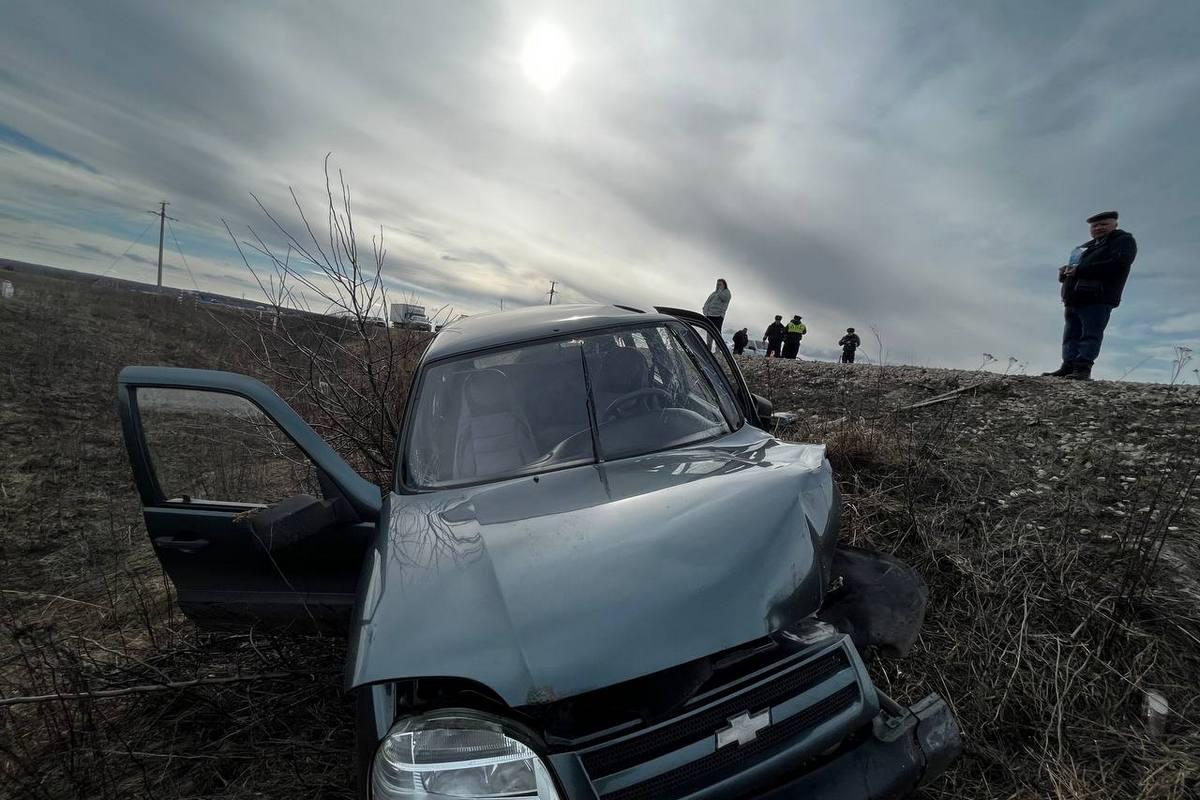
(485, 331)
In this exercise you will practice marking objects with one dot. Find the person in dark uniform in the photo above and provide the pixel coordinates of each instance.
(774, 336)
(849, 343)
(791, 338)
(740, 340)
(1092, 283)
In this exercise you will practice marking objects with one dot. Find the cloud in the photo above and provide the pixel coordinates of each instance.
(1188, 323)
(13, 138)
(921, 169)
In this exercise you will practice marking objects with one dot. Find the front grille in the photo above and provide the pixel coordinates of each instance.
(583, 720)
(696, 775)
(621, 755)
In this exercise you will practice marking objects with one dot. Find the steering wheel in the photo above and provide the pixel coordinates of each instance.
(620, 408)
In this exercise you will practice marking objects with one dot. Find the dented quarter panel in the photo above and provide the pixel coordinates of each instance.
(544, 587)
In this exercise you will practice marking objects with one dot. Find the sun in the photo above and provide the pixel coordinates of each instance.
(547, 56)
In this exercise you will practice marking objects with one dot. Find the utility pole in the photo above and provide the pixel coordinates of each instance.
(552, 285)
(162, 224)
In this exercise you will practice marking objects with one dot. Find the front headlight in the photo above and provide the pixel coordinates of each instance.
(457, 754)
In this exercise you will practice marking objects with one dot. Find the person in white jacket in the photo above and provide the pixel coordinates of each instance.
(717, 303)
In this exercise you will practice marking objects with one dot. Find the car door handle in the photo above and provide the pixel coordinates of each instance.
(182, 545)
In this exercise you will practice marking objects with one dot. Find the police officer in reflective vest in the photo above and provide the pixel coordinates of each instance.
(791, 339)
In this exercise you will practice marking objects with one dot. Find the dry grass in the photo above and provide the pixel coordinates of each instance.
(85, 606)
(1052, 610)
(856, 444)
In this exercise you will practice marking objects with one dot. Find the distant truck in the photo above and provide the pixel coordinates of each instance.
(407, 315)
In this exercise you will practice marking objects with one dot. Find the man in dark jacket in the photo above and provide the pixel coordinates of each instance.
(1091, 288)
(774, 336)
(791, 339)
(849, 343)
(740, 340)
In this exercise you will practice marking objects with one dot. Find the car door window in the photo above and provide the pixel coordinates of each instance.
(213, 447)
(717, 382)
(701, 395)
(716, 350)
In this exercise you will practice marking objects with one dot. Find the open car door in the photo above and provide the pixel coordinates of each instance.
(757, 409)
(255, 519)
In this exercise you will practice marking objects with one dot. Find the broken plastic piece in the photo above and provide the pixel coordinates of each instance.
(1154, 713)
(881, 602)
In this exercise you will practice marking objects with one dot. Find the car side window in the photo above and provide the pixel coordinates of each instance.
(717, 382)
(206, 446)
(715, 350)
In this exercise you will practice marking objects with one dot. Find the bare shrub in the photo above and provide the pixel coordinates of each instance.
(327, 346)
(1183, 355)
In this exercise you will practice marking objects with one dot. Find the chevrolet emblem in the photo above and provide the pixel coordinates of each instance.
(743, 728)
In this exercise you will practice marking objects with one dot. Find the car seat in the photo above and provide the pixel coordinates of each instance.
(555, 397)
(618, 371)
(493, 437)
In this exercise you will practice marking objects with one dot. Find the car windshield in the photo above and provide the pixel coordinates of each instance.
(601, 396)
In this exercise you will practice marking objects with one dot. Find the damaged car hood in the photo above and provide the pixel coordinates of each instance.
(548, 586)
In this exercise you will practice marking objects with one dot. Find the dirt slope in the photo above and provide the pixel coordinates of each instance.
(1034, 509)
(1056, 524)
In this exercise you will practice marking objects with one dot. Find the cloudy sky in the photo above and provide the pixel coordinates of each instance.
(921, 168)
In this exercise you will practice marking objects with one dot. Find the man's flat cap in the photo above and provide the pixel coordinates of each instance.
(1102, 215)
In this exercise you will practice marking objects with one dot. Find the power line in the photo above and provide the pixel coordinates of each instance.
(127, 249)
(181, 255)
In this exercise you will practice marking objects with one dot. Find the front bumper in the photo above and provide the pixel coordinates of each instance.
(823, 731)
(901, 753)
(898, 753)
(837, 738)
